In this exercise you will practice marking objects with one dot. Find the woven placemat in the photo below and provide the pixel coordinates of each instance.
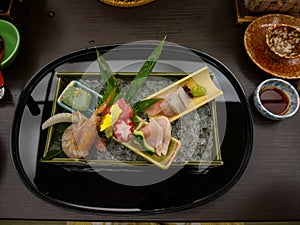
(126, 3)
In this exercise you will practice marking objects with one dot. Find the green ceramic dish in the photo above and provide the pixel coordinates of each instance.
(12, 41)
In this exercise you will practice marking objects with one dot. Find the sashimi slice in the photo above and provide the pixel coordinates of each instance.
(174, 103)
(154, 109)
(166, 126)
(183, 96)
(158, 134)
(178, 100)
(154, 134)
(167, 109)
(126, 109)
(147, 132)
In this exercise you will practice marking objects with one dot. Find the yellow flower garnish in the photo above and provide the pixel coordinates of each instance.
(106, 122)
(110, 118)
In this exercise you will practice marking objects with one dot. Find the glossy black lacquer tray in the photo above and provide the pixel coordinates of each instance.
(90, 189)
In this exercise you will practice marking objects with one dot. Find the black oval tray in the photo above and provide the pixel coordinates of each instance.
(91, 192)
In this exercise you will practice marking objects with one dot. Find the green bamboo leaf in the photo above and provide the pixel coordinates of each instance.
(105, 71)
(143, 73)
(109, 80)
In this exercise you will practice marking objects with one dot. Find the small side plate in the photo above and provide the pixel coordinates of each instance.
(95, 98)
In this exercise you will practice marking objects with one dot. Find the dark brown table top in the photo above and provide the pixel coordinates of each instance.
(269, 188)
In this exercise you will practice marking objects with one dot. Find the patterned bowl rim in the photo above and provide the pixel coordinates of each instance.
(271, 47)
(293, 92)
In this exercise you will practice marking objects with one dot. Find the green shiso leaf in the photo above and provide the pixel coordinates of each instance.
(142, 105)
(143, 73)
(109, 80)
(135, 120)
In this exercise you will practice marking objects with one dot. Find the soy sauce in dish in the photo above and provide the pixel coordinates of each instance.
(274, 100)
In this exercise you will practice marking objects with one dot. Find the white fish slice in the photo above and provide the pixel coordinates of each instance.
(166, 126)
(156, 135)
(175, 103)
(201, 77)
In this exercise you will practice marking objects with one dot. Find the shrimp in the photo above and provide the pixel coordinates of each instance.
(78, 139)
(100, 144)
(69, 144)
(61, 118)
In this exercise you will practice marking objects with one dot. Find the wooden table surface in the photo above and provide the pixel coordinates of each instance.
(269, 188)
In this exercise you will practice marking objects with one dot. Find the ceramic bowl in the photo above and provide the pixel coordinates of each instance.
(284, 40)
(285, 87)
(259, 52)
(11, 37)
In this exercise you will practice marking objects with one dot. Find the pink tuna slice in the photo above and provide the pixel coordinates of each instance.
(126, 109)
